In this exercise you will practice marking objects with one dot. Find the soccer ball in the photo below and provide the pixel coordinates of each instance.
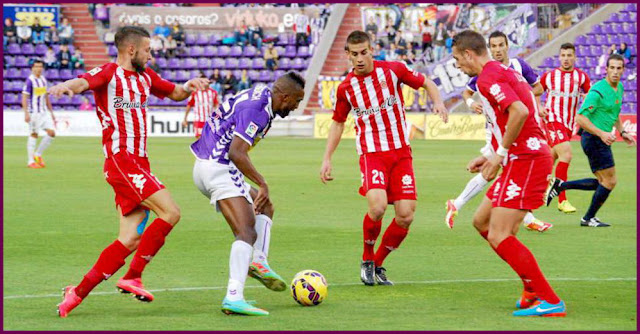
(309, 288)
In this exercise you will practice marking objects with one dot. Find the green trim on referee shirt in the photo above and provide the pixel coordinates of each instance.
(602, 105)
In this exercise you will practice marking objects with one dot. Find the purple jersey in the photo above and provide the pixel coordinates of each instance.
(36, 91)
(247, 114)
(517, 64)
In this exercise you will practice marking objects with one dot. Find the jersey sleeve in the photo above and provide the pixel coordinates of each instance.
(473, 84)
(27, 88)
(99, 76)
(586, 85)
(192, 100)
(252, 120)
(342, 107)
(408, 76)
(543, 80)
(160, 87)
(591, 103)
(529, 74)
(498, 90)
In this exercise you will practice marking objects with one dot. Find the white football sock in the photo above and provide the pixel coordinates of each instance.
(239, 260)
(261, 246)
(31, 147)
(528, 218)
(475, 186)
(44, 143)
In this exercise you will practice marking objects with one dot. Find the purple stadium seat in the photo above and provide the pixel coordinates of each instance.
(292, 39)
(297, 64)
(629, 28)
(21, 61)
(581, 40)
(190, 63)
(66, 74)
(210, 51)
(196, 51)
(306, 62)
(194, 73)
(41, 49)
(28, 49)
(231, 63)
(633, 16)
(624, 17)
(169, 75)
(284, 63)
(14, 49)
(224, 51)
(190, 39)
(174, 63)
(204, 63)
(303, 51)
(547, 62)
(162, 62)
(18, 85)
(250, 51)
(265, 76)
(283, 39)
(7, 86)
(254, 75)
(78, 72)
(591, 62)
(217, 63)
(591, 40)
(237, 74)
(10, 98)
(10, 61)
(279, 73)
(62, 100)
(236, 51)
(258, 64)
(183, 76)
(613, 18)
(214, 39)
(601, 39)
(52, 74)
(202, 39)
(25, 72)
(76, 100)
(596, 29)
(290, 51)
(244, 63)
(112, 50)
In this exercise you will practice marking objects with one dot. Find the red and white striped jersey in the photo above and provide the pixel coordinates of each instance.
(563, 94)
(121, 104)
(204, 102)
(376, 99)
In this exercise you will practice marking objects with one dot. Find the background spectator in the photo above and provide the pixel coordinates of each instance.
(216, 81)
(380, 53)
(391, 34)
(625, 52)
(602, 61)
(255, 34)
(427, 39)
(302, 28)
(449, 41)
(37, 31)
(10, 33)
(271, 57)
(157, 47)
(170, 47)
(64, 57)
(244, 82)
(77, 59)
(65, 32)
(177, 32)
(440, 41)
(393, 52)
(85, 105)
(50, 59)
(24, 34)
(163, 31)
(229, 83)
(372, 27)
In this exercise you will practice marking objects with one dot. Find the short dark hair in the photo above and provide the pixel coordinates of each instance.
(37, 61)
(128, 33)
(496, 34)
(357, 37)
(568, 46)
(296, 78)
(470, 40)
(615, 56)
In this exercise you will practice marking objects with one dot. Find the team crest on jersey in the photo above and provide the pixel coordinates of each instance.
(533, 143)
(95, 71)
(496, 92)
(407, 181)
(383, 84)
(251, 130)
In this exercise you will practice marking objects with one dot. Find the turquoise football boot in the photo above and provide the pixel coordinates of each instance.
(263, 273)
(543, 309)
(241, 307)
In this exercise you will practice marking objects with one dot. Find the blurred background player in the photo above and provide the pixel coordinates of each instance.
(499, 48)
(564, 86)
(222, 162)
(35, 104)
(519, 146)
(121, 91)
(372, 91)
(597, 117)
(204, 102)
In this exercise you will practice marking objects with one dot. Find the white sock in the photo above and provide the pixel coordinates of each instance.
(31, 147)
(239, 260)
(475, 186)
(528, 218)
(261, 247)
(44, 143)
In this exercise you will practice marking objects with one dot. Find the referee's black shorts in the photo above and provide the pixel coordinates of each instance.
(599, 154)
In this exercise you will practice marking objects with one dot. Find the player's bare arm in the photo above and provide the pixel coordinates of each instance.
(181, 93)
(626, 136)
(50, 107)
(474, 106)
(25, 108)
(186, 113)
(434, 94)
(518, 113)
(69, 87)
(333, 139)
(239, 155)
(475, 165)
(585, 123)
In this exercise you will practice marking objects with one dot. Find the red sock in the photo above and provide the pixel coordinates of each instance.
(562, 172)
(110, 260)
(391, 240)
(522, 261)
(371, 231)
(150, 243)
(485, 235)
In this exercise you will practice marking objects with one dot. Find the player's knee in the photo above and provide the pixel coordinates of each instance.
(376, 212)
(268, 210)
(566, 156)
(172, 215)
(51, 133)
(247, 235)
(131, 242)
(610, 182)
(480, 224)
(34, 135)
(495, 238)
(404, 219)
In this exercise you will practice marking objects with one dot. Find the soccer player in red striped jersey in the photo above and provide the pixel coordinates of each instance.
(522, 151)
(121, 92)
(204, 102)
(372, 90)
(564, 86)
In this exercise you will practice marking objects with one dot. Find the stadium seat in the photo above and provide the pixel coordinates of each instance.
(236, 51)
(214, 39)
(290, 51)
(21, 61)
(204, 63)
(76, 100)
(217, 63)
(596, 29)
(581, 40)
(162, 62)
(190, 63)
(202, 39)
(223, 51)
(25, 72)
(52, 74)
(284, 63)
(9, 61)
(258, 64)
(14, 49)
(183, 76)
(591, 40)
(196, 51)
(266, 76)
(210, 51)
(244, 63)
(78, 72)
(624, 17)
(112, 50)
(190, 39)
(279, 73)
(168, 75)
(7, 86)
(254, 75)
(40, 50)
(10, 98)
(28, 49)
(298, 64)
(250, 51)
(283, 39)
(66, 74)
(174, 63)
(303, 51)
(613, 39)
(231, 63)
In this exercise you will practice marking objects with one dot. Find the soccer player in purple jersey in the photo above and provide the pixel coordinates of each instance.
(37, 106)
(222, 163)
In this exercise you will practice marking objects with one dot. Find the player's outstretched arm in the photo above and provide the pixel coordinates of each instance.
(181, 93)
(335, 133)
(69, 87)
(239, 155)
(434, 94)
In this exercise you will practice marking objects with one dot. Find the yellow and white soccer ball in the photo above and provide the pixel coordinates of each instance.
(309, 288)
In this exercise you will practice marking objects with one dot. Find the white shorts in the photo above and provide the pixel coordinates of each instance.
(217, 181)
(40, 121)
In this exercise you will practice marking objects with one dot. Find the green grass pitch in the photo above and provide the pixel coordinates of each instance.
(58, 219)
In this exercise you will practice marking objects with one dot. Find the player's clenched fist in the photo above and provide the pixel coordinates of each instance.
(197, 84)
(60, 89)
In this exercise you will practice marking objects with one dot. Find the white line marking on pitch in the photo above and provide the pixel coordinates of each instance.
(475, 280)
